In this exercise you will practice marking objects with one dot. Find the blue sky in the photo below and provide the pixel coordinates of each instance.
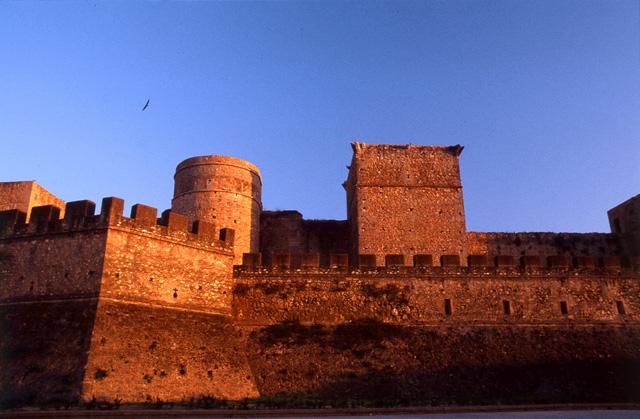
(544, 95)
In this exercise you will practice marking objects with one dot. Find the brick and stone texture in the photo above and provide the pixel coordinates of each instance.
(417, 296)
(52, 266)
(43, 351)
(25, 195)
(405, 200)
(144, 267)
(224, 191)
(387, 336)
(148, 353)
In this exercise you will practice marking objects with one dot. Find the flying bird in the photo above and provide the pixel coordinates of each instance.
(146, 105)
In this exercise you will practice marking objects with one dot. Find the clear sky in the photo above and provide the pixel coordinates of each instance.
(544, 95)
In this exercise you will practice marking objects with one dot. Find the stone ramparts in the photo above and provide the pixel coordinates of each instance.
(502, 292)
(85, 255)
(80, 216)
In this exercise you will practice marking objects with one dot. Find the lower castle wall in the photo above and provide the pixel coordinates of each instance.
(43, 351)
(384, 338)
(333, 297)
(145, 267)
(389, 364)
(145, 353)
(542, 244)
(61, 352)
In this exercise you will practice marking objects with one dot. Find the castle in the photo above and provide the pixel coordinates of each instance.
(217, 297)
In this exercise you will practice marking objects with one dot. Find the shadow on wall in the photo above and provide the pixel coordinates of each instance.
(396, 365)
(43, 352)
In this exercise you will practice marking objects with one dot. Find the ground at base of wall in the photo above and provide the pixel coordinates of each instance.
(531, 411)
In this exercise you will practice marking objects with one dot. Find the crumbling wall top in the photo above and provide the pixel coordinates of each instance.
(360, 147)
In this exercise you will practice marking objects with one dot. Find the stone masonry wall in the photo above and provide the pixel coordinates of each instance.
(414, 296)
(45, 266)
(406, 200)
(286, 232)
(15, 195)
(281, 232)
(381, 364)
(384, 336)
(136, 259)
(146, 353)
(40, 196)
(102, 305)
(43, 351)
(542, 244)
(140, 266)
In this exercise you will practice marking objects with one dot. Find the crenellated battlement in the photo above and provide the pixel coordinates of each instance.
(80, 216)
(477, 265)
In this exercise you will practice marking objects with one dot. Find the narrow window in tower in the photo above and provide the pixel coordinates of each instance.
(447, 306)
(620, 306)
(506, 305)
(563, 308)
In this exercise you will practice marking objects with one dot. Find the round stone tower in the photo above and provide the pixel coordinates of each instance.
(224, 191)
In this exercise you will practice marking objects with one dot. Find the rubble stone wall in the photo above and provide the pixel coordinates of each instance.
(406, 200)
(286, 232)
(418, 296)
(50, 266)
(146, 353)
(140, 266)
(542, 244)
(381, 364)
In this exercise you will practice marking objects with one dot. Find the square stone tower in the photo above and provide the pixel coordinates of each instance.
(24, 195)
(406, 199)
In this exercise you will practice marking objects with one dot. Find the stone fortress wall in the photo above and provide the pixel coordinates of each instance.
(399, 300)
(132, 298)
(504, 295)
(142, 258)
